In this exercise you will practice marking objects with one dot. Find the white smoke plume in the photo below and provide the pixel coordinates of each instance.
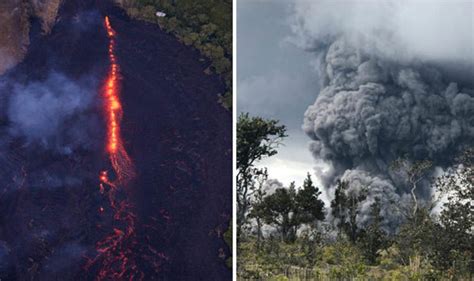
(49, 121)
(57, 113)
(397, 82)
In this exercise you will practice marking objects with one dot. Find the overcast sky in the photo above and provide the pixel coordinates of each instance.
(275, 79)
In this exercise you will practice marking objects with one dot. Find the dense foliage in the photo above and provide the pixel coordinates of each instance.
(304, 241)
(205, 25)
(287, 209)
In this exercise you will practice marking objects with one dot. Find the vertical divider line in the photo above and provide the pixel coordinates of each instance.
(234, 140)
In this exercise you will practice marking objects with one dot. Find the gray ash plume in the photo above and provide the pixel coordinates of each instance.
(382, 98)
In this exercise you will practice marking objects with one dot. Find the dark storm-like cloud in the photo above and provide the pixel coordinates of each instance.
(386, 91)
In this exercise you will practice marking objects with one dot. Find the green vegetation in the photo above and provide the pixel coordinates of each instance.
(257, 138)
(305, 240)
(205, 25)
(288, 209)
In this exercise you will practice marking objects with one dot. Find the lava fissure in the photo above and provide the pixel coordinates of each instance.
(119, 158)
(117, 253)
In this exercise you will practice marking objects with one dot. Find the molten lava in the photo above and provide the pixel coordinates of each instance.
(111, 250)
(118, 155)
(117, 253)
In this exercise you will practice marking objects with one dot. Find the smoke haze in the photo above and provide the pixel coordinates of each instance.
(55, 113)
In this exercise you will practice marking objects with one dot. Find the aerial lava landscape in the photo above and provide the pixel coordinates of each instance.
(114, 148)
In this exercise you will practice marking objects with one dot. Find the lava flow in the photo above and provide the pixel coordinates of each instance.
(117, 253)
(119, 158)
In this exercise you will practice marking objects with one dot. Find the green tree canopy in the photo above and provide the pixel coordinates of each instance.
(310, 207)
(345, 209)
(457, 215)
(256, 138)
(374, 237)
(288, 209)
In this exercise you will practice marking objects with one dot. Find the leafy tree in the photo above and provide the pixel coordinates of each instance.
(279, 209)
(308, 246)
(256, 138)
(288, 209)
(148, 11)
(310, 207)
(345, 209)
(374, 237)
(352, 229)
(259, 195)
(457, 215)
(338, 205)
(418, 236)
(447, 243)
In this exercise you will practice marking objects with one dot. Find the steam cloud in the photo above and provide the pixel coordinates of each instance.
(46, 126)
(54, 113)
(51, 139)
(56, 117)
(396, 82)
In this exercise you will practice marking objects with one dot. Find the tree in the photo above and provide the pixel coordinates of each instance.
(338, 206)
(418, 236)
(345, 209)
(288, 209)
(256, 138)
(414, 173)
(457, 215)
(352, 229)
(311, 210)
(278, 209)
(310, 207)
(374, 237)
(258, 198)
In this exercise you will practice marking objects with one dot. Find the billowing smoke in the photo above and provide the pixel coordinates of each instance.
(271, 185)
(51, 144)
(45, 121)
(48, 127)
(55, 113)
(396, 82)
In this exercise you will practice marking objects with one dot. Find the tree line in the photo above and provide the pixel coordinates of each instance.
(206, 25)
(292, 226)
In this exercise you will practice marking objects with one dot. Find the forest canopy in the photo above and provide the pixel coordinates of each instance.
(205, 25)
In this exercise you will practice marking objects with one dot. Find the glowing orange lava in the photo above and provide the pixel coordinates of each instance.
(118, 155)
(118, 253)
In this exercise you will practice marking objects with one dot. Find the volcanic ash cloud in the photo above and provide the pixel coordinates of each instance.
(378, 104)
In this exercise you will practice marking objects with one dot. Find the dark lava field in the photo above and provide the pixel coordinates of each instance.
(52, 135)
